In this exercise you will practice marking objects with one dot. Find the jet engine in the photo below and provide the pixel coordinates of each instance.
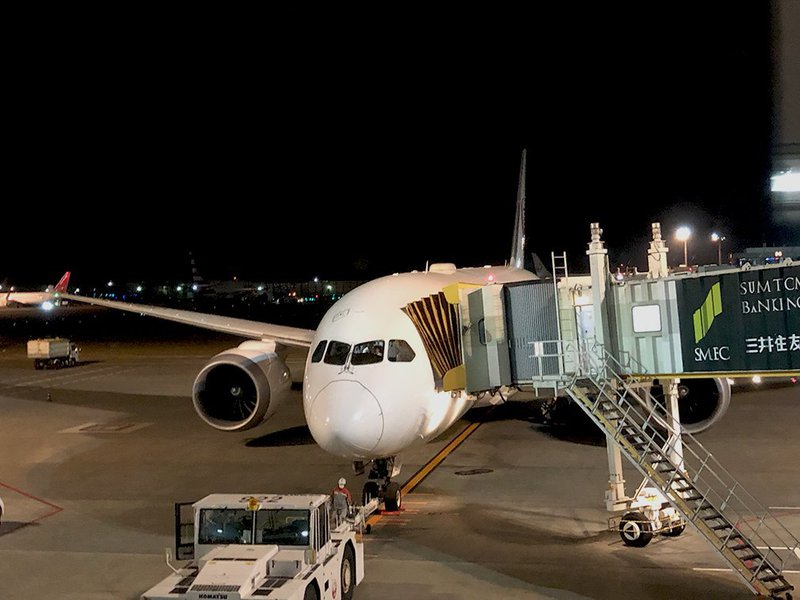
(241, 387)
(702, 402)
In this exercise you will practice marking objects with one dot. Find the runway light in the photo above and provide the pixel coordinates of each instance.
(756, 378)
(138, 288)
(110, 284)
(47, 305)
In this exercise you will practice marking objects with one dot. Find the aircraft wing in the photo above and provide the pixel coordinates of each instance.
(289, 336)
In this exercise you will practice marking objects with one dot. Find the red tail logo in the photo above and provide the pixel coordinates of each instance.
(62, 284)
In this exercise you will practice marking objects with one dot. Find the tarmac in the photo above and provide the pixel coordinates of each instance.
(93, 458)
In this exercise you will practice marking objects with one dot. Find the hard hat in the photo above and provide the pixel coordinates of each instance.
(341, 482)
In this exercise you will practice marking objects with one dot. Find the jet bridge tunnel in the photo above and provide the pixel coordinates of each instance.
(732, 323)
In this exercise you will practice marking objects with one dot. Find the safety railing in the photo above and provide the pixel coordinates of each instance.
(689, 475)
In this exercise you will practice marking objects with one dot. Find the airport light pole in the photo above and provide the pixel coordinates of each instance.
(715, 237)
(682, 235)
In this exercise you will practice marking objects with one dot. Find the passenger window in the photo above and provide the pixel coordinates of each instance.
(319, 352)
(400, 351)
(337, 353)
(367, 353)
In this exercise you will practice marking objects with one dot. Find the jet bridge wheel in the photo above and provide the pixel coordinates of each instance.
(635, 530)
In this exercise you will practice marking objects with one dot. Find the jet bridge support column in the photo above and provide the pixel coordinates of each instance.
(598, 267)
(616, 499)
(657, 255)
(671, 398)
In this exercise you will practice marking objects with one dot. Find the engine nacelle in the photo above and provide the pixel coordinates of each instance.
(702, 402)
(241, 387)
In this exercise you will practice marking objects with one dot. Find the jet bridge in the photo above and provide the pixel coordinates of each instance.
(601, 341)
(725, 323)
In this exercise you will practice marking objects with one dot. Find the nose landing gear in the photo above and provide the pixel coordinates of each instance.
(380, 485)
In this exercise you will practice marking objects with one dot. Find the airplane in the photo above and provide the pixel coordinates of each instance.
(44, 299)
(371, 389)
(222, 288)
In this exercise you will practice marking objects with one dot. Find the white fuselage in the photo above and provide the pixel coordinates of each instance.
(377, 410)
(26, 298)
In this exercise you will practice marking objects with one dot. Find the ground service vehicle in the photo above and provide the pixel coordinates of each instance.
(53, 353)
(281, 547)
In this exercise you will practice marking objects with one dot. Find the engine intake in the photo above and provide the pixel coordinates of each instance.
(241, 387)
(702, 402)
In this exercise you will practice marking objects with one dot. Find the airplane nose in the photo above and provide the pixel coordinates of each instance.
(345, 418)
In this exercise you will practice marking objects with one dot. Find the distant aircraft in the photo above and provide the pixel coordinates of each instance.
(12, 298)
(222, 288)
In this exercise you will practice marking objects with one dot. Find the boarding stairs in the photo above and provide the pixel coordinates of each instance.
(746, 535)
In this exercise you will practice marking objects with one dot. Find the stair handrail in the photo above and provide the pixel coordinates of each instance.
(744, 511)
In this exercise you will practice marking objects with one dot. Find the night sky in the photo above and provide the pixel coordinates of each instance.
(265, 150)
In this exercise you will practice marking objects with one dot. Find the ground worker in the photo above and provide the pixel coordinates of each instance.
(342, 500)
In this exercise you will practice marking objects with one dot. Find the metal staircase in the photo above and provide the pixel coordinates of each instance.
(746, 535)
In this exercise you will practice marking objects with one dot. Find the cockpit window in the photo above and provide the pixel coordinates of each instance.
(319, 352)
(367, 353)
(337, 353)
(400, 351)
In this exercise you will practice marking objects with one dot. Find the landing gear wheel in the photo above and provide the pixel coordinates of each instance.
(675, 530)
(311, 593)
(635, 530)
(369, 492)
(348, 574)
(392, 499)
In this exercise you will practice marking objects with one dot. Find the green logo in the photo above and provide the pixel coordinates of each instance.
(704, 316)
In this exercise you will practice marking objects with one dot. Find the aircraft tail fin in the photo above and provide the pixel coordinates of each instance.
(517, 260)
(539, 269)
(62, 284)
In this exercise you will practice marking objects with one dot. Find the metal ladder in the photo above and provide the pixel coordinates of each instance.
(743, 532)
(564, 312)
